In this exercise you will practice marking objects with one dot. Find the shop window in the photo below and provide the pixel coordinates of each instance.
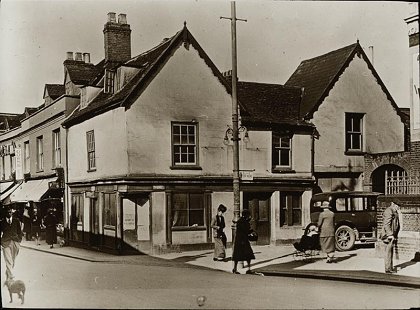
(188, 210)
(290, 208)
(110, 210)
(76, 220)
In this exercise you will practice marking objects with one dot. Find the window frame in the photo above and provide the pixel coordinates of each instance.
(277, 150)
(180, 164)
(109, 81)
(349, 121)
(107, 206)
(40, 153)
(188, 208)
(287, 217)
(26, 157)
(90, 151)
(77, 209)
(56, 148)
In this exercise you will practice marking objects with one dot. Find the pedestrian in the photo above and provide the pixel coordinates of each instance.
(327, 231)
(391, 227)
(36, 226)
(218, 225)
(242, 250)
(50, 222)
(11, 236)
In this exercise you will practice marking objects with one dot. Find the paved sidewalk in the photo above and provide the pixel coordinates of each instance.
(359, 265)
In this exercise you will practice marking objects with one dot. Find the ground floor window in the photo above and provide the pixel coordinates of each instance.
(110, 210)
(188, 210)
(290, 208)
(76, 221)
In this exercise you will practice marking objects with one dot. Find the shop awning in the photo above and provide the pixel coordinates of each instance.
(31, 190)
(6, 194)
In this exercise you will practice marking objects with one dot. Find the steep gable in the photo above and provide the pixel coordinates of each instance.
(149, 63)
(318, 76)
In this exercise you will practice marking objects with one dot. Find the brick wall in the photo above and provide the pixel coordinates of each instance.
(415, 157)
(409, 236)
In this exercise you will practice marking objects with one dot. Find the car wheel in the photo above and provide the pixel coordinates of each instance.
(344, 238)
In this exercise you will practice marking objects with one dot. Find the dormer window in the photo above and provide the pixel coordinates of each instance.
(83, 97)
(109, 81)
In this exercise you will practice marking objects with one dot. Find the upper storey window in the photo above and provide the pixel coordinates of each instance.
(354, 132)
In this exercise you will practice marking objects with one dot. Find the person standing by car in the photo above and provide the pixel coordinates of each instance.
(390, 230)
(242, 250)
(11, 236)
(50, 222)
(327, 231)
(218, 224)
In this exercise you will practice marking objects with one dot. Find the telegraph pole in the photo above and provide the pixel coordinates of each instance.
(235, 123)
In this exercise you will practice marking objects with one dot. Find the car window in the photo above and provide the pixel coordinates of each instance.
(340, 204)
(356, 204)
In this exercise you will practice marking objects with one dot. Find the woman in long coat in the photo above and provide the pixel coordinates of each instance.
(36, 226)
(218, 224)
(50, 222)
(327, 231)
(242, 250)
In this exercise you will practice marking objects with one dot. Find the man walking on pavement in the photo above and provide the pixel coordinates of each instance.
(11, 236)
(390, 229)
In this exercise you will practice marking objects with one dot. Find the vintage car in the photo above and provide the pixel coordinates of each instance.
(355, 216)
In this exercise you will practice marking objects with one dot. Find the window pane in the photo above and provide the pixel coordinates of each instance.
(340, 204)
(196, 217)
(177, 139)
(356, 124)
(176, 130)
(196, 202)
(283, 209)
(191, 130)
(285, 142)
(184, 130)
(356, 141)
(179, 210)
(184, 139)
(284, 158)
(297, 217)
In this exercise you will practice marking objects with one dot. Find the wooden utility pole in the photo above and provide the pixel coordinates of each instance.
(235, 123)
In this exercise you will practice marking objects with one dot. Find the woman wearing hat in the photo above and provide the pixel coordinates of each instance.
(218, 224)
(242, 250)
(327, 231)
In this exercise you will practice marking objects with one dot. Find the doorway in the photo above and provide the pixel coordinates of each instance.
(258, 203)
(94, 236)
(136, 223)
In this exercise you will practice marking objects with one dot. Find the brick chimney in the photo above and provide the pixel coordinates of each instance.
(117, 40)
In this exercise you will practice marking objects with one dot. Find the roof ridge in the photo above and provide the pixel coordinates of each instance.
(271, 84)
(354, 45)
(164, 41)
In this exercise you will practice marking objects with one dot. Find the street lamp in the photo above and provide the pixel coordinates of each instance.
(229, 134)
(235, 128)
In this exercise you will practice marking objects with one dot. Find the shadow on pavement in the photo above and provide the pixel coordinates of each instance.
(406, 264)
(186, 259)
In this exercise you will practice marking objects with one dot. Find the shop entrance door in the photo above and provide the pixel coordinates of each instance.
(94, 236)
(136, 224)
(258, 203)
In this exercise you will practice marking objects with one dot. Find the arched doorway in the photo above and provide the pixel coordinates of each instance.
(378, 176)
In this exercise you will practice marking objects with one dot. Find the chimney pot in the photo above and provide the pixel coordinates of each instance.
(70, 55)
(78, 56)
(86, 57)
(122, 18)
(111, 17)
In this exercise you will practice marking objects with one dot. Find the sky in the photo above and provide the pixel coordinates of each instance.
(35, 36)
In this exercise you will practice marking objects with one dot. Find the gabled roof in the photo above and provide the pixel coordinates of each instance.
(149, 63)
(270, 103)
(54, 90)
(318, 76)
(9, 121)
(81, 73)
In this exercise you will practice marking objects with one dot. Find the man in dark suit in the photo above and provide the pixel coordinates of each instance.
(11, 236)
(390, 229)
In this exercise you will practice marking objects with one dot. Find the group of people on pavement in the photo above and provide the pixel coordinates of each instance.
(324, 232)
